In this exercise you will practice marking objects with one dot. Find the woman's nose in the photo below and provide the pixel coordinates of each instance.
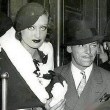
(37, 33)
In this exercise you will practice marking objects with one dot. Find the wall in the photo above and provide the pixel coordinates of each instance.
(15, 6)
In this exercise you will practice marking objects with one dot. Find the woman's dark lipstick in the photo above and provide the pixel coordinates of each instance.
(36, 41)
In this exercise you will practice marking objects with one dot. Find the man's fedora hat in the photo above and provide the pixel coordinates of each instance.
(79, 33)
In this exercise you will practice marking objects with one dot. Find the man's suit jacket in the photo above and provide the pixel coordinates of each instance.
(104, 106)
(19, 94)
(97, 85)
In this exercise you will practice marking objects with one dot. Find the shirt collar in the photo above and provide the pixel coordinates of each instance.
(76, 73)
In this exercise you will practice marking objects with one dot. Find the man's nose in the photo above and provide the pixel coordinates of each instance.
(88, 49)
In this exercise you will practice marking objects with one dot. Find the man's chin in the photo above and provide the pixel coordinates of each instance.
(87, 63)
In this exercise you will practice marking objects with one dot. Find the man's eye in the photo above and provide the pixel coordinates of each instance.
(31, 28)
(81, 45)
(43, 28)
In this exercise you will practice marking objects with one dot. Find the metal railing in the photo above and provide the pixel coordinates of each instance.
(4, 77)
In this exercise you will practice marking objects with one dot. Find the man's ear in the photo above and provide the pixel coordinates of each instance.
(69, 49)
(105, 46)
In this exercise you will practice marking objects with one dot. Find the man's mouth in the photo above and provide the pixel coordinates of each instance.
(36, 41)
(87, 57)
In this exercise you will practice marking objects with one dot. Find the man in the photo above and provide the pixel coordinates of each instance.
(106, 45)
(91, 88)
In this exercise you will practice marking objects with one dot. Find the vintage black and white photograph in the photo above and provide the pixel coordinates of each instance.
(54, 54)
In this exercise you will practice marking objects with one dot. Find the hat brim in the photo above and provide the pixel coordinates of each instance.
(84, 41)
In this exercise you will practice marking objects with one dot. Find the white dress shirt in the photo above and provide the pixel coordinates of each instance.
(77, 76)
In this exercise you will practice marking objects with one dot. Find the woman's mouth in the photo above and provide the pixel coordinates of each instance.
(36, 41)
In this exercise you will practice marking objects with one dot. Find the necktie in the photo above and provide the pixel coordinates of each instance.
(82, 83)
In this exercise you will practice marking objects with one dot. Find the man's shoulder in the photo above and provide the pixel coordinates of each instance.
(100, 69)
(105, 73)
(62, 69)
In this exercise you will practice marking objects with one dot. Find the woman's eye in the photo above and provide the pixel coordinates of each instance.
(43, 28)
(31, 28)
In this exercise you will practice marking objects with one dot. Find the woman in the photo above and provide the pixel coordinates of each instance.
(27, 59)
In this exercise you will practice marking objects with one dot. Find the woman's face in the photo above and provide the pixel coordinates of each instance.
(34, 36)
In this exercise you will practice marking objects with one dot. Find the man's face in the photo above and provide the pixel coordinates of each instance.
(83, 55)
(108, 46)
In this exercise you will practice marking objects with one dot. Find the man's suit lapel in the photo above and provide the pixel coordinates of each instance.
(98, 86)
(84, 98)
(92, 90)
(71, 95)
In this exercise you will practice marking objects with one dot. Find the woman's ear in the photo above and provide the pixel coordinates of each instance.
(69, 49)
(105, 46)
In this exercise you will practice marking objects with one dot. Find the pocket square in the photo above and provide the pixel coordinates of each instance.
(105, 97)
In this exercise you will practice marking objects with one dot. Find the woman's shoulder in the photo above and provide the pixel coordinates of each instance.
(46, 45)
